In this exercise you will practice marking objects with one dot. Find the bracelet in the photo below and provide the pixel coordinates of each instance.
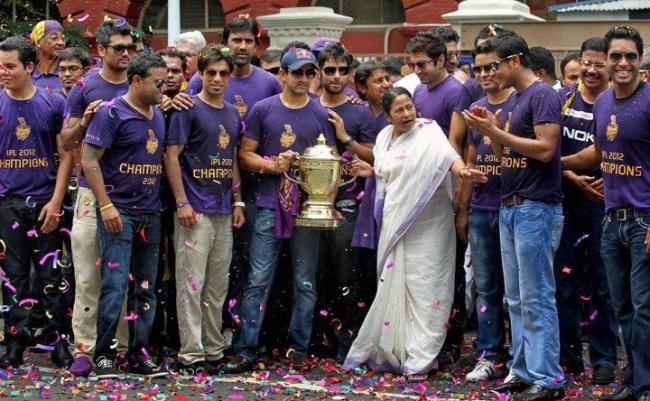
(182, 203)
(106, 207)
(239, 204)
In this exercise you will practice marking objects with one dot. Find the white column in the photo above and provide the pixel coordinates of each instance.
(173, 20)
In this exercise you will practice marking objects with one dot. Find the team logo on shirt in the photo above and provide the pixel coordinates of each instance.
(612, 128)
(506, 126)
(224, 138)
(287, 138)
(22, 130)
(487, 140)
(241, 106)
(152, 142)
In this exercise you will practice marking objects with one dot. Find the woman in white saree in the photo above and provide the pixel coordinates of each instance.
(405, 326)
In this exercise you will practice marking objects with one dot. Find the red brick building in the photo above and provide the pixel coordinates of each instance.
(374, 20)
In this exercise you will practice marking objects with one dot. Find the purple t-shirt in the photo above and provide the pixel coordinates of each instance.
(525, 176)
(623, 134)
(578, 128)
(28, 130)
(471, 92)
(486, 196)
(46, 80)
(89, 88)
(195, 85)
(277, 129)
(439, 102)
(210, 136)
(132, 160)
(360, 125)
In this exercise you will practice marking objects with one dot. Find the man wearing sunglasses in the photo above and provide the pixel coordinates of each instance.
(122, 161)
(622, 147)
(50, 41)
(355, 133)
(584, 211)
(203, 172)
(115, 46)
(530, 218)
(278, 129)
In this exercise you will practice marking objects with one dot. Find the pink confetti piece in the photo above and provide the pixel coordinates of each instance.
(194, 286)
(483, 308)
(190, 244)
(32, 233)
(360, 195)
(236, 185)
(145, 353)
(48, 348)
(83, 17)
(145, 284)
(566, 270)
(354, 185)
(324, 312)
(131, 316)
(65, 231)
(579, 241)
(593, 315)
(500, 396)
(361, 304)
(232, 303)
(584, 324)
(585, 298)
(390, 265)
(386, 322)
(47, 256)
(482, 356)
(113, 265)
(10, 287)
(15, 225)
(29, 301)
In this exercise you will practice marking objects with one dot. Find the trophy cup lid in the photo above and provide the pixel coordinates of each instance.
(321, 151)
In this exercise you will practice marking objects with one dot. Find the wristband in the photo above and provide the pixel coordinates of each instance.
(106, 207)
(239, 204)
(182, 203)
(349, 142)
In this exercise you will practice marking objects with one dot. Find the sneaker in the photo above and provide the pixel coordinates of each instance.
(603, 375)
(484, 370)
(105, 368)
(81, 367)
(192, 368)
(299, 360)
(146, 367)
(238, 364)
(216, 367)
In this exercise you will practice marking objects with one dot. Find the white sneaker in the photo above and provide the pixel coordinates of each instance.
(510, 376)
(484, 370)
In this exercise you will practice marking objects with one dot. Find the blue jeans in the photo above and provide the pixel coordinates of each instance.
(583, 217)
(488, 275)
(530, 234)
(628, 273)
(264, 251)
(128, 252)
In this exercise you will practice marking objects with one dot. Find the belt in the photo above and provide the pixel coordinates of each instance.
(629, 213)
(346, 203)
(514, 200)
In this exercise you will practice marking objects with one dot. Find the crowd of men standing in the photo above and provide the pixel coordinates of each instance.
(158, 178)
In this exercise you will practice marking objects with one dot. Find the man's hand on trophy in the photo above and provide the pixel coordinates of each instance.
(283, 161)
(361, 168)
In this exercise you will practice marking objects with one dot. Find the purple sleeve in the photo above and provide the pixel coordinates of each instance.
(367, 126)
(547, 106)
(59, 109)
(195, 85)
(463, 100)
(253, 126)
(180, 125)
(101, 131)
(451, 101)
(74, 104)
(276, 87)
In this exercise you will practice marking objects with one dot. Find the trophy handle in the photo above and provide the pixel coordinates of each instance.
(348, 181)
(291, 179)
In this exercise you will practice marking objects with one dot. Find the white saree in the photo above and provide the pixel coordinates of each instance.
(406, 324)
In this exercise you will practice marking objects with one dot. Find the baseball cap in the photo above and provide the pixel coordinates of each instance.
(296, 57)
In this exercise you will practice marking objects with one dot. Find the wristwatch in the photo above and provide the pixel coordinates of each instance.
(349, 141)
(240, 204)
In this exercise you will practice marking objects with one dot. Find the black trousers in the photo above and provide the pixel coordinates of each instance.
(27, 245)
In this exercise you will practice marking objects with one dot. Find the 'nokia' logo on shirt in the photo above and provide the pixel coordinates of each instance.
(579, 114)
(578, 135)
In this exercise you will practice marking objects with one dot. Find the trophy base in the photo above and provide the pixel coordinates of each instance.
(317, 223)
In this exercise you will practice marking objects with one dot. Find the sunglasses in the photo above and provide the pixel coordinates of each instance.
(477, 69)
(616, 57)
(310, 73)
(332, 70)
(273, 70)
(131, 49)
(213, 73)
(589, 64)
(420, 64)
(158, 82)
(511, 56)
